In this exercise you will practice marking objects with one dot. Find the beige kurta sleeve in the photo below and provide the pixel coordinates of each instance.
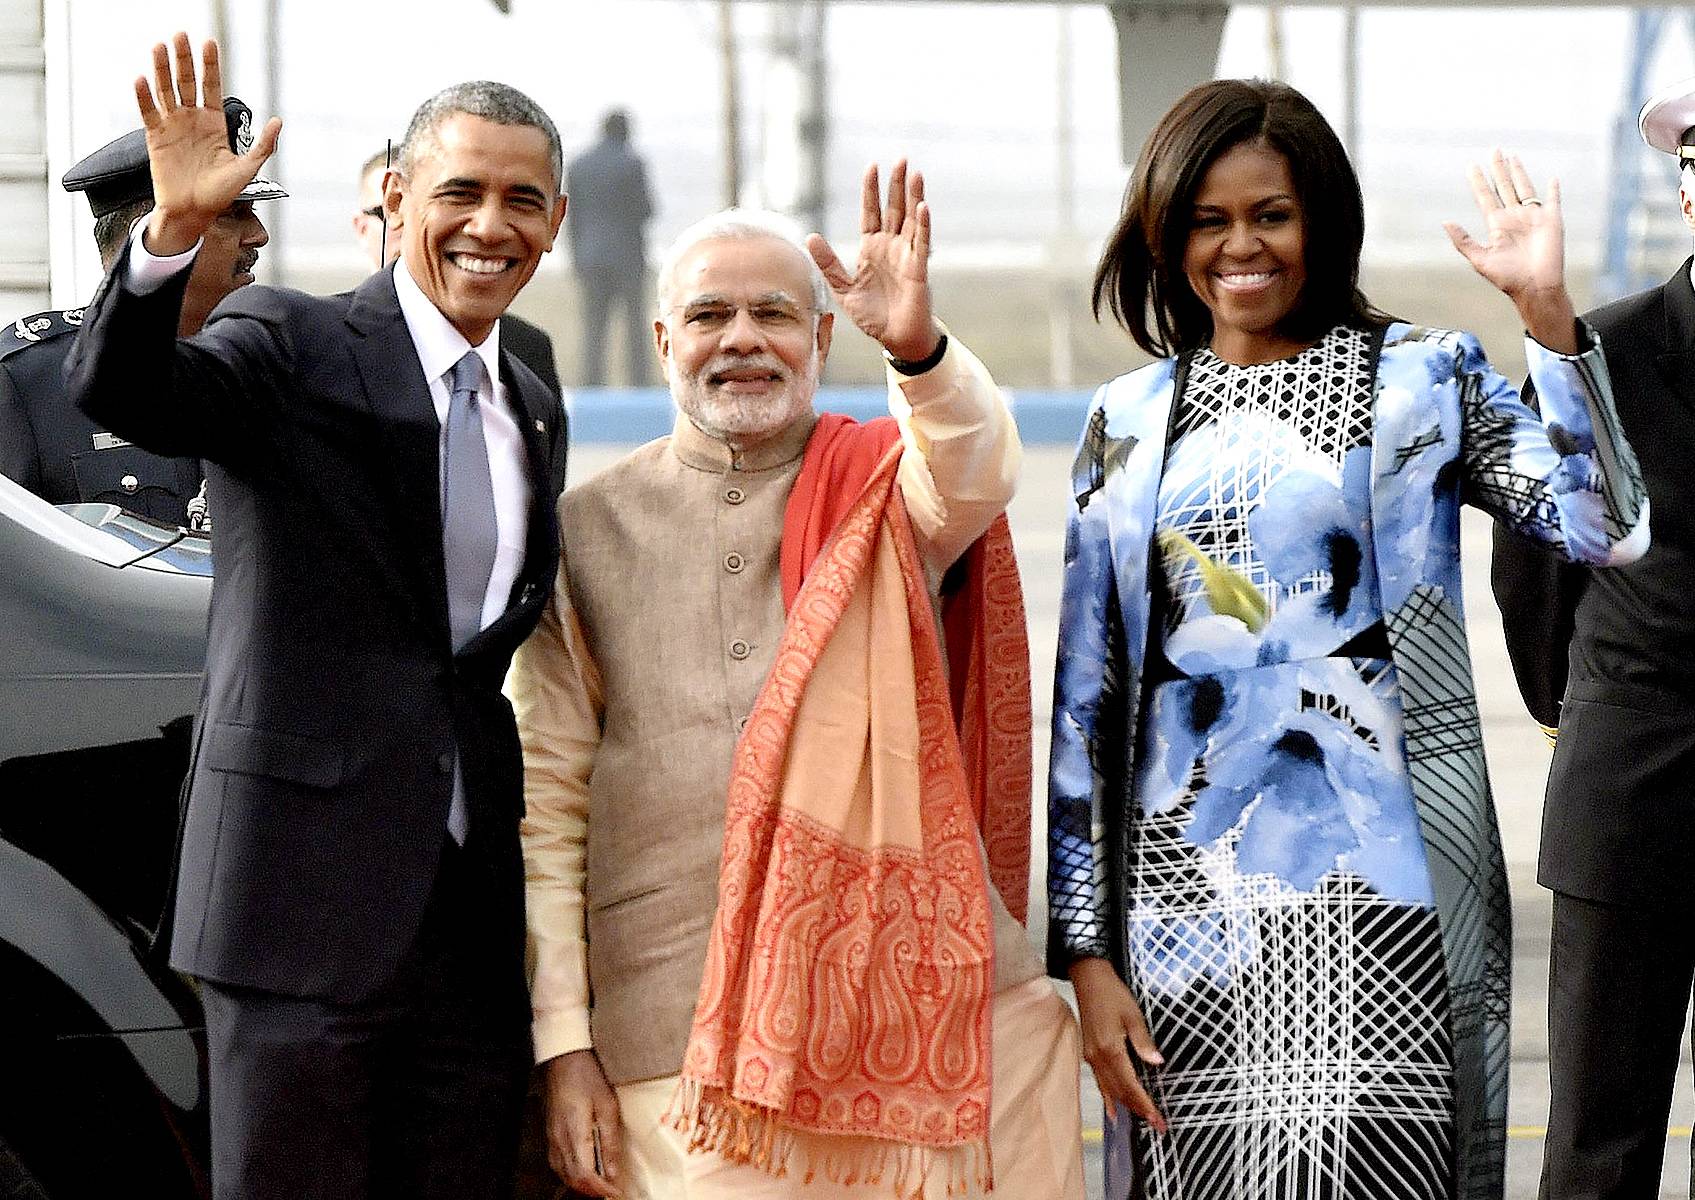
(556, 694)
(963, 453)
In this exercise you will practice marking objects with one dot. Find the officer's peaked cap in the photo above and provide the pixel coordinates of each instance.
(117, 175)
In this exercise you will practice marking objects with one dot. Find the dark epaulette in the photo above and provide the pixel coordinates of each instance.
(42, 327)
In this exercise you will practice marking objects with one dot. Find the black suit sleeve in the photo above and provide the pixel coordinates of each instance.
(213, 396)
(561, 445)
(1537, 592)
(531, 346)
(20, 458)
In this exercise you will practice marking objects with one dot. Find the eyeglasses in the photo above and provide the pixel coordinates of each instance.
(375, 212)
(770, 315)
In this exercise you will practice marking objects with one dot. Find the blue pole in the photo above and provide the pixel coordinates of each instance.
(1617, 276)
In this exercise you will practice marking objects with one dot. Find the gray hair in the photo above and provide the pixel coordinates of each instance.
(740, 223)
(112, 230)
(497, 102)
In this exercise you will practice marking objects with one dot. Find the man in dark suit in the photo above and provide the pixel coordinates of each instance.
(610, 208)
(528, 343)
(1608, 657)
(384, 476)
(46, 444)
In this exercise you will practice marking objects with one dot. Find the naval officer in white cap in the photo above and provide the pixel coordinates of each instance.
(1607, 658)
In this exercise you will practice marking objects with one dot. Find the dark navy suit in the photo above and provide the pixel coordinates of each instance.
(366, 1009)
(530, 345)
(1609, 657)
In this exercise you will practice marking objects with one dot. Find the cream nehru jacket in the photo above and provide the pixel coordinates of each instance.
(631, 694)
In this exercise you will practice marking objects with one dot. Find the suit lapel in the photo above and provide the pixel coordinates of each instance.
(534, 405)
(530, 408)
(1676, 358)
(399, 396)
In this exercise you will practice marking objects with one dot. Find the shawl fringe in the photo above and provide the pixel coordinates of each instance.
(753, 1135)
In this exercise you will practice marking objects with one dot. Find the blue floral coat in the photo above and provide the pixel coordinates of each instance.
(1446, 427)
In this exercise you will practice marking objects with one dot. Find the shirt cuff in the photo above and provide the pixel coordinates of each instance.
(955, 395)
(147, 271)
(1588, 342)
(1564, 380)
(560, 1032)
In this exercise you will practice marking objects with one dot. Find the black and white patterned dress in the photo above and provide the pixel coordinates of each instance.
(1283, 937)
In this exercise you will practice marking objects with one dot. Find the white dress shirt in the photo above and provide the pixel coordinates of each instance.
(439, 345)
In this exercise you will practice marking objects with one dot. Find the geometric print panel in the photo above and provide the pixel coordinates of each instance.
(1450, 785)
(1306, 1034)
(1266, 419)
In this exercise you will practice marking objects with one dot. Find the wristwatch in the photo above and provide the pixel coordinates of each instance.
(907, 366)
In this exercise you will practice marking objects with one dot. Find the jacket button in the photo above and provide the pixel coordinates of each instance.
(741, 725)
(733, 563)
(129, 483)
(734, 495)
(444, 762)
(740, 649)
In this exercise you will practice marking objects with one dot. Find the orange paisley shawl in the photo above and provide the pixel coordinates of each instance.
(842, 1027)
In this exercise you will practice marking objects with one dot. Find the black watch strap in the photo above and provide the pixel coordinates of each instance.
(919, 366)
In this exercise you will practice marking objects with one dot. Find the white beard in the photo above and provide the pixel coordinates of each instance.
(744, 418)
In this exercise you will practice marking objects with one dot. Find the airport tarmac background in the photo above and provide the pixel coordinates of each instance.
(1518, 764)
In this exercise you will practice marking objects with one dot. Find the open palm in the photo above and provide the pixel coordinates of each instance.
(1523, 249)
(888, 293)
(196, 176)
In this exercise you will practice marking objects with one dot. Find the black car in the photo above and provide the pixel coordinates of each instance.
(102, 1046)
(104, 619)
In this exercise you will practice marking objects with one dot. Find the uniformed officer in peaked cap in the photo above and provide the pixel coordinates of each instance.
(46, 444)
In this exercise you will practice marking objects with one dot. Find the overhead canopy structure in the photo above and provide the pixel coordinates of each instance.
(1166, 47)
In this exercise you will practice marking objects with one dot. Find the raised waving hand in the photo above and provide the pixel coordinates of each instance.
(1523, 251)
(196, 176)
(888, 293)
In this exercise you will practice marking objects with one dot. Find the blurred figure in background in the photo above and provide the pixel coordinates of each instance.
(380, 240)
(610, 206)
